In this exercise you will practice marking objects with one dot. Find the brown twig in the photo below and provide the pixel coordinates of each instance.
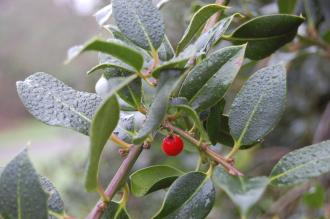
(116, 182)
(227, 164)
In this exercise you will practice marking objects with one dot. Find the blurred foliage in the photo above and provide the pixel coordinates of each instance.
(27, 28)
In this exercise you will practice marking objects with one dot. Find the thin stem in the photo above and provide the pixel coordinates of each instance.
(213, 20)
(199, 163)
(120, 142)
(206, 149)
(125, 196)
(233, 151)
(116, 181)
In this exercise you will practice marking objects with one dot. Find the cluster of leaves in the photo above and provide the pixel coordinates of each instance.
(147, 85)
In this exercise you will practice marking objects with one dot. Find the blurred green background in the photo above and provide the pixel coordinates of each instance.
(35, 36)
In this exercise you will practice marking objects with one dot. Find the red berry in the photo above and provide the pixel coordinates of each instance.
(172, 145)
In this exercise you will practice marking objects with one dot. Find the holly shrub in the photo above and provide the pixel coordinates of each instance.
(149, 90)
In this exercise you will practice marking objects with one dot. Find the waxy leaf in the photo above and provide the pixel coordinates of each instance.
(259, 105)
(208, 82)
(103, 124)
(217, 126)
(140, 21)
(243, 191)
(55, 202)
(165, 51)
(54, 103)
(153, 178)
(168, 80)
(266, 34)
(205, 42)
(21, 194)
(197, 22)
(115, 211)
(112, 47)
(175, 63)
(190, 196)
(302, 164)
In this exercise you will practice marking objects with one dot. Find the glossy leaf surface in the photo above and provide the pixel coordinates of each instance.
(197, 22)
(190, 196)
(140, 21)
(207, 82)
(153, 178)
(259, 105)
(55, 103)
(302, 164)
(266, 34)
(20, 190)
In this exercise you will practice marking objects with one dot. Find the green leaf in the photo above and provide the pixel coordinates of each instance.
(244, 192)
(54, 103)
(111, 47)
(190, 196)
(286, 6)
(140, 21)
(21, 193)
(258, 106)
(205, 42)
(191, 113)
(115, 211)
(109, 67)
(153, 178)
(208, 82)
(175, 63)
(103, 124)
(165, 51)
(302, 164)
(197, 22)
(266, 34)
(315, 197)
(217, 125)
(55, 202)
(168, 80)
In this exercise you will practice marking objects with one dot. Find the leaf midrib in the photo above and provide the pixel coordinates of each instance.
(231, 38)
(297, 168)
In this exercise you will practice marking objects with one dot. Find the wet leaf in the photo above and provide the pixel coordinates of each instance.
(190, 196)
(54, 103)
(258, 106)
(196, 23)
(244, 192)
(266, 34)
(103, 124)
(55, 202)
(302, 164)
(20, 190)
(207, 82)
(140, 21)
(112, 47)
(153, 178)
(168, 80)
(165, 51)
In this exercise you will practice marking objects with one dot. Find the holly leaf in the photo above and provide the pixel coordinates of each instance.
(153, 178)
(140, 21)
(208, 81)
(111, 47)
(258, 106)
(168, 80)
(115, 210)
(265, 34)
(165, 51)
(244, 192)
(190, 196)
(196, 23)
(55, 202)
(21, 193)
(103, 124)
(54, 103)
(302, 164)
